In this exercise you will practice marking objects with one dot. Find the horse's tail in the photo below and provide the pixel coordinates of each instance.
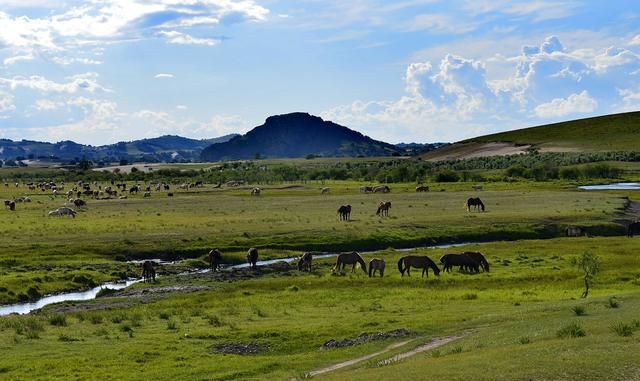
(400, 265)
(337, 266)
(466, 205)
(370, 268)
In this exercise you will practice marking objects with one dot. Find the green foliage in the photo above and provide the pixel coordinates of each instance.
(589, 264)
(623, 329)
(571, 330)
(579, 310)
(59, 320)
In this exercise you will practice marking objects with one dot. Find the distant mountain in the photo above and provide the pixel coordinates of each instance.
(607, 133)
(165, 148)
(297, 135)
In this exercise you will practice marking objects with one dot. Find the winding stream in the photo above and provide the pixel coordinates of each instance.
(25, 308)
(616, 186)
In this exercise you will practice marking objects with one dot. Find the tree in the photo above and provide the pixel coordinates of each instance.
(590, 265)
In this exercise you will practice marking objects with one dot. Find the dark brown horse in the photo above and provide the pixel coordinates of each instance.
(252, 258)
(215, 259)
(476, 203)
(478, 257)
(383, 208)
(464, 261)
(423, 262)
(148, 271)
(352, 258)
(304, 264)
(634, 228)
(376, 265)
(344, 212)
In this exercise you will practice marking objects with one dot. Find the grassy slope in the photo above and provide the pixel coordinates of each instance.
(528, 294)
(618, 132)
(47, 253)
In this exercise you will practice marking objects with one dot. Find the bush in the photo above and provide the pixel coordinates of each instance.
(613, 302)
(58, 320)
(570, 173)
(571, 330)
(447, 176)
(622, 329)
(579, 310)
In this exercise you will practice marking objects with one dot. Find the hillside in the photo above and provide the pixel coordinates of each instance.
(297, 135)
(617, 132)
(163, 148)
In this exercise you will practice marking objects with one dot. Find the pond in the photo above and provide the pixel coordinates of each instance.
(615, 186)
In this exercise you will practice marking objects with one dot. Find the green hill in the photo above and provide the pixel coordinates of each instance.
(617, 132)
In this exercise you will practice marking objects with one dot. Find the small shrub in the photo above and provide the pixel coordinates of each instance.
(164, 315)
(456, 350)
(119, 318)
(67, 339)
(171, 325)
(571, 330)
(613, 302)
(579, 310)
(96, 319)
(293, 288)
(436, 353)
(470, 296)
(524, 340)
(622, 329)
(58, 320)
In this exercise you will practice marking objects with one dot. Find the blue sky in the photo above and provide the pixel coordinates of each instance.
(408, 70)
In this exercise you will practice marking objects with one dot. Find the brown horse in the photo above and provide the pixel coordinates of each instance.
(252, 258)
(476, 203)
(478, 257)
(423, 262)
(352, 258)
(422, 188)
(215, 259)
(383, 208)
(148, 271)
(344, 212)
(464, 261)
(305, 262)
(376, 265)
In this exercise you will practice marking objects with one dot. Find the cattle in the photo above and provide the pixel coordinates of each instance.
(146, 194)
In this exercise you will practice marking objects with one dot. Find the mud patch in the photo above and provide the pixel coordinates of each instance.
(142, 292)
(243, 349)
(86, 307)
(367, 337)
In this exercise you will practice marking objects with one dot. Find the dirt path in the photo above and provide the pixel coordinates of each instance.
(422, 348)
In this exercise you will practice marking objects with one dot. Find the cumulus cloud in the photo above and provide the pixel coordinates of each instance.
(175, 37)
(6, 102)
(575, 103)
(87, 82)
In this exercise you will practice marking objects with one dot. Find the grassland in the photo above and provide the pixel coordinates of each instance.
(175, 328)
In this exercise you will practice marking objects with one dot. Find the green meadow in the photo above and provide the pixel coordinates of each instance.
(522, 320)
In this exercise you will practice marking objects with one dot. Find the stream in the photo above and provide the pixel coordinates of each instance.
(25, 308)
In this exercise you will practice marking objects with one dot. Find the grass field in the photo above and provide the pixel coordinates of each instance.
(180, 326)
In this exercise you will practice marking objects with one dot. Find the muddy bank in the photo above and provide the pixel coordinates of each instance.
(367, 337)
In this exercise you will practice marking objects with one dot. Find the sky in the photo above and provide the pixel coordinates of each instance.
(102, 71)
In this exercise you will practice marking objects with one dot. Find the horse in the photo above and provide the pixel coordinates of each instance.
(422, 188)
(475, 202)
(215, 258)
(252, 258)
(478, 257)
(255, 191)
(383, 208)
(381, 189)
(351, 258)
(11, 205)
(462, 260)
(423, 262)
(305, 262)
(376, 265)
(366, 189)
(634, 228)
(325, 190)
(79, 202)
(476, 187)
(146, 194)
(63, 211)
(575, 231)
(344, 212)
(148, 271)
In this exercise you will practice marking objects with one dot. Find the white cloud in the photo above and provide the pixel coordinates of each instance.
(575, 103)
(47, 105)
(15, 59)
(81, 82)
(163, 75)
(635, 40)
(175, 37)
(441, 23)
(6, 102)
(75, 60)
(182, 107)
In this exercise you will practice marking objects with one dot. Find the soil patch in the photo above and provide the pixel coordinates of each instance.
(367, 337)
(239, 348)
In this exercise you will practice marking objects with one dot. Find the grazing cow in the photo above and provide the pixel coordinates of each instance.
(304, 264)
(215, 259)
(252, 258)
(256, 191)
(381, 189)
(383, 208)
(148, 271)
(344, 212)
(146, 194)
(325, 191)
(422, 188)
(63, 211)
(575, 231)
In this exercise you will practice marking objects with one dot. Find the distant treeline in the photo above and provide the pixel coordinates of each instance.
(535, 166)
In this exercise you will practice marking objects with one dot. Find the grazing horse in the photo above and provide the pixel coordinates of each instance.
(462, 260)
(215, 258)
(252, 258)
(148, 272)
(376, 265)
(64, 211)
(344, 212)
(79, 202)
(146, 194)
(423, 262)
(256, 191)
(381, 189)
(11, 205)
(325, 191)
(478, 257)
(422, 188)
(634, 228)
(304, 264)
(352, 258)
(476, 203)
(383, 208)
(366, 189)
(575, 231)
